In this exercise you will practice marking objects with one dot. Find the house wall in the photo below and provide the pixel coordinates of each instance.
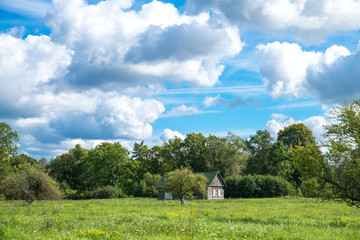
(165, 196)
(215, 193)
(216, 189)
(161, 195)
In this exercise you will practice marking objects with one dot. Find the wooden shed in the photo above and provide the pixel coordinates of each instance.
(215, 187)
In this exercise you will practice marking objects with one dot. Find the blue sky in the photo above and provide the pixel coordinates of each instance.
(120, 70)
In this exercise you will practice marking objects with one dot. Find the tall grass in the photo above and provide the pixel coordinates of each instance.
(140, 218)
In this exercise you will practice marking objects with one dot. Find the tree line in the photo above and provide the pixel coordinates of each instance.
(110, 170)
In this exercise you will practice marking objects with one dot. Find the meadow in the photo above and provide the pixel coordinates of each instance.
(141, 218)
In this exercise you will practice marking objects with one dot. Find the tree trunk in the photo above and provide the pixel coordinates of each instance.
(182, 199)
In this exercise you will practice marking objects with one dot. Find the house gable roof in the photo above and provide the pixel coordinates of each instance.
(209, 175)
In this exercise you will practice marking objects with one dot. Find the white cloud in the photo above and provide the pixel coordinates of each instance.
(130, 117)
(310, 20)
(277, 123)
(211, 101)
(183, 110)
(280, 121)
(291, 72)
(118, 46)
(92, 115)
(316, 125)
(170, 134)
(26, 67)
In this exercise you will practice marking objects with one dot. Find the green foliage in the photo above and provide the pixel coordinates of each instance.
(8, 148)
(278, 161)
(105, 192)
(258, 146)
(29, 185)
(151, 180)
(8, 139)
(68, 167)
(226, 155)
(302, 148)
(342, 174)
(184, 183)
(150, 159)
(108, 164)
(22, 162)
(296, 134)
(108, 192)
(257, 186)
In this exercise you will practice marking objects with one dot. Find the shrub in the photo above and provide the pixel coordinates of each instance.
(30, 185)
(98, 193)
(107, 192)
(257, 186)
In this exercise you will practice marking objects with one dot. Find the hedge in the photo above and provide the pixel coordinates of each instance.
(257, 186)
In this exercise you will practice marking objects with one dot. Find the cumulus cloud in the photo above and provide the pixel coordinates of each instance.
(183, 110)
(112, 117)
(280, 121)
(310, 20)
(26, 67)
(170, 134)
(115, 46)
(290, 71)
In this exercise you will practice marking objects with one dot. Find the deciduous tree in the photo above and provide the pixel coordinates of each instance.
(258, 146)
(183, 183)
(342, 173)
(8, 148)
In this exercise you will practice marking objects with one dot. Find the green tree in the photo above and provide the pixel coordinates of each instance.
(174, 155)
(194, 150)
(295, 134)
(184, 183)
(30, 185)
(342, 173)
(21, 162)
(109, 164)
(8, 148)
(234, 159)
(308, 161)
(258, 146)
(68, 167)
(151, 180)
(150, 159)
(278, 161)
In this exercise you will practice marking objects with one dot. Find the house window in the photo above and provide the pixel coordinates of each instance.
(219, 192)
(214, 192)
(168, 195)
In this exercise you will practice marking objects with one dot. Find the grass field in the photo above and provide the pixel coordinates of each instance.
(139, 218)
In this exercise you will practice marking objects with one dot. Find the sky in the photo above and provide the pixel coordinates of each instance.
(85, 72)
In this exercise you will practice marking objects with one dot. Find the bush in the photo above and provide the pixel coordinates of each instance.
(257, 186)
(99, 193)
(30, 185)
(107, 192)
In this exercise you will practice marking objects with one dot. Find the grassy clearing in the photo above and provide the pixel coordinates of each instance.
(139, 218)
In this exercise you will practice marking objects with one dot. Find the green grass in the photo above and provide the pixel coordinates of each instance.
(136, 218)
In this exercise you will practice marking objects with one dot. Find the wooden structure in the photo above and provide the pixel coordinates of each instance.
(215, 187)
